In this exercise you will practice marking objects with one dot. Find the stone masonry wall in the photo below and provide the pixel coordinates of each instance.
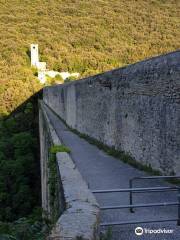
(78, 209)
(135, 109)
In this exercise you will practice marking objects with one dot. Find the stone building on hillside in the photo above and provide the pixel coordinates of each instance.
(43, 72)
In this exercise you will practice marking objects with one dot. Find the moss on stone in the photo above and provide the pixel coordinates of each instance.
(53, 186)
(59, 148)
(53, 179)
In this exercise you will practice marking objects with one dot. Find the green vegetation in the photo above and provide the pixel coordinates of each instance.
(59, 148)
(53, 179)
(24, 229)
(123, 156)
(53, 187)
(56, 80)
(19, 165)
(78, 37)
(20, 200)
(70, 79)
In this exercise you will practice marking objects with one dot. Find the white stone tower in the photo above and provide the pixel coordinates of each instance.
(34, 55)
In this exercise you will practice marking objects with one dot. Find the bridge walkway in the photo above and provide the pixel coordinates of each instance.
(102, 171)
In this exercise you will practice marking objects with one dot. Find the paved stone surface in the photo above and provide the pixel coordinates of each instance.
(105, 172)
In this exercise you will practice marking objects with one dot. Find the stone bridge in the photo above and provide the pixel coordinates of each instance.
(133, 111)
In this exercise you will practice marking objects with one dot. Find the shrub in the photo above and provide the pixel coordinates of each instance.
(58, 79)
(59, 148)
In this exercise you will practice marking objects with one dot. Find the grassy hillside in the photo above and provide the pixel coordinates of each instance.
(83, 36)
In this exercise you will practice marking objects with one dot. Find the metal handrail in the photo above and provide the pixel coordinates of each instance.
(163, 204)
(135, 189)
(136, 222)
(155, 177)
(142, 190)
(145, 178)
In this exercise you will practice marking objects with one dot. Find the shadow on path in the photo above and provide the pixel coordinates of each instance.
(102, 171)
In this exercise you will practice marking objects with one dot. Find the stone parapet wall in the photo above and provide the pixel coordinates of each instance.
(79, 217)
(135, 109)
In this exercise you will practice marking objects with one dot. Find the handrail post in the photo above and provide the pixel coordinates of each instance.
(130, 195)
(178, 221)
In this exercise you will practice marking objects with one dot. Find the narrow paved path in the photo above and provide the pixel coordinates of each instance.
(102, 171)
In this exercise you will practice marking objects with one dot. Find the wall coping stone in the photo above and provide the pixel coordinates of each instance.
(81, 215)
